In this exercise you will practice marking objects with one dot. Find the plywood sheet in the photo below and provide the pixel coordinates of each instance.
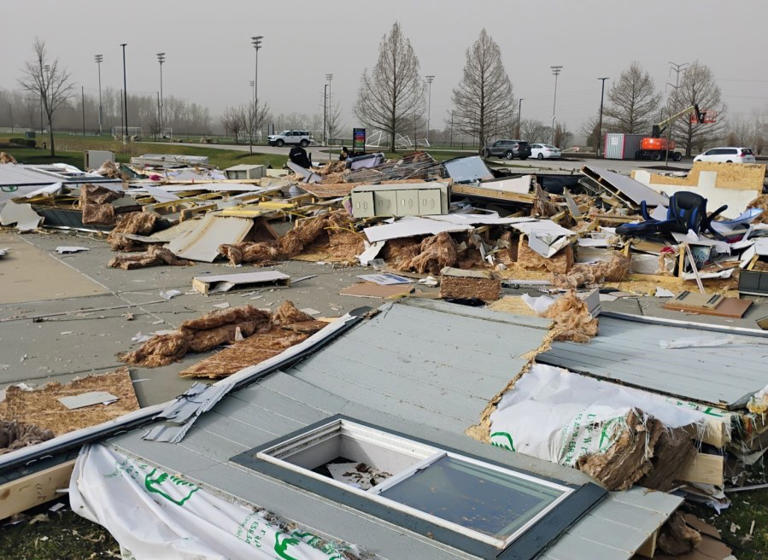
(30, 274)
(371, 290)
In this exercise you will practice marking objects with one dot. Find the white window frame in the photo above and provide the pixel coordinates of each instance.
(425, 455)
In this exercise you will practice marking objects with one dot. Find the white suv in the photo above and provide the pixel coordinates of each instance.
(727, 155)
(300, 137)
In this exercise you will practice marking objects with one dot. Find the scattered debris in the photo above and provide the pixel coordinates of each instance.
(153, 256)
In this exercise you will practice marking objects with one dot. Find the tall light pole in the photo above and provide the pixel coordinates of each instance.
(600, 120)
(47, 69)
(125, 99)
(677, 67)
(329, 113)
(519, 116)
(555, 72)
(161, 61)
(256, 43)
(429, 79)
(98, 58)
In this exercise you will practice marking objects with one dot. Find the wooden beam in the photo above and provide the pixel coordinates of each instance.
(34, 489)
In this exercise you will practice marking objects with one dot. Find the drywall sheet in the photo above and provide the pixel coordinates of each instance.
(202, 243)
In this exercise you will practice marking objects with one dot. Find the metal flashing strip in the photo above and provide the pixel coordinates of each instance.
(663, 321)
(544, 531)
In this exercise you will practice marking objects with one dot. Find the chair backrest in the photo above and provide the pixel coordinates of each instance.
(688, 210)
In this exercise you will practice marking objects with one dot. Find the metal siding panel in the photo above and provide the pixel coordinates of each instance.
(630, 352)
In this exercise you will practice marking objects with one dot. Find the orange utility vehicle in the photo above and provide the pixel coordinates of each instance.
(657, 148)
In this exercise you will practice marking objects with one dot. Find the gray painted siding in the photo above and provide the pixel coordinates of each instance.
(403, 387)
(629, 352)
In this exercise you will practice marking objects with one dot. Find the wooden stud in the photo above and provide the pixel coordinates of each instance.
(34, 489)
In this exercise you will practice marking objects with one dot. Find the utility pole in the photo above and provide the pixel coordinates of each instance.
(677, 67)
(82, 104)
(600, 120)
(451, 129)
(160, 116)
(429, 79)
(125, 99)
(519, 114)
(555, 72)
(99, 58)
(256, 42)
(47, 69)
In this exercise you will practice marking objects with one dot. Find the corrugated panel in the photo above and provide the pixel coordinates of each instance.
(629, 352)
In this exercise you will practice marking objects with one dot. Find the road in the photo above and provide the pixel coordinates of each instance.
(620, 166)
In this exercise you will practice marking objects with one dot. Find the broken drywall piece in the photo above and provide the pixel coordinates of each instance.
(64, 249)
(170, 294)
(25, 218)
(48, 190)
(202, 243)
(87, 399)
(372, 251)
(385, 279)
(217, 283)
(545, 236)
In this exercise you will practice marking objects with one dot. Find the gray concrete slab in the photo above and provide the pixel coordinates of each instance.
(60, 339)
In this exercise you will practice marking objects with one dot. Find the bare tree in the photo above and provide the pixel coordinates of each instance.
(534, 131)
(589, 130)
(697, 87)
(562, 136)
(232, 121)
(632, 101)
(333, 120)
(253, 120)
(483, 101)
(393, 92)
(52, 84)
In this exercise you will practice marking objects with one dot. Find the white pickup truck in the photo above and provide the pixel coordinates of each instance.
(300, 137)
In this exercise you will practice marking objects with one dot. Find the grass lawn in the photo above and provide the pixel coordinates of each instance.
(70, 149)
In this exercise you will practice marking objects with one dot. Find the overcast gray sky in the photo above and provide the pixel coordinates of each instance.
(210, 59)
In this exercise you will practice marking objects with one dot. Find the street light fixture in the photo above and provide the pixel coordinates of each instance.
(125, 99)
(555, 72)
(256, 43)
(600, 121)
(161, 103)
(429, 79)
(99, 58)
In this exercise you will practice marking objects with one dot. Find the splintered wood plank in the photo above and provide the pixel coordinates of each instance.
(34, 489)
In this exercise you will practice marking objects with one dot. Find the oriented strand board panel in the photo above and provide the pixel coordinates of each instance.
(42, 408)
(30, 274)
(741, 176)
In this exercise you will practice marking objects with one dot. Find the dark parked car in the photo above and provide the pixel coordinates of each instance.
(509, 149)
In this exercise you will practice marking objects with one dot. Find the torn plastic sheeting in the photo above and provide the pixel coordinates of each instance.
(200, 398)
(176, 519)
(554, 414)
